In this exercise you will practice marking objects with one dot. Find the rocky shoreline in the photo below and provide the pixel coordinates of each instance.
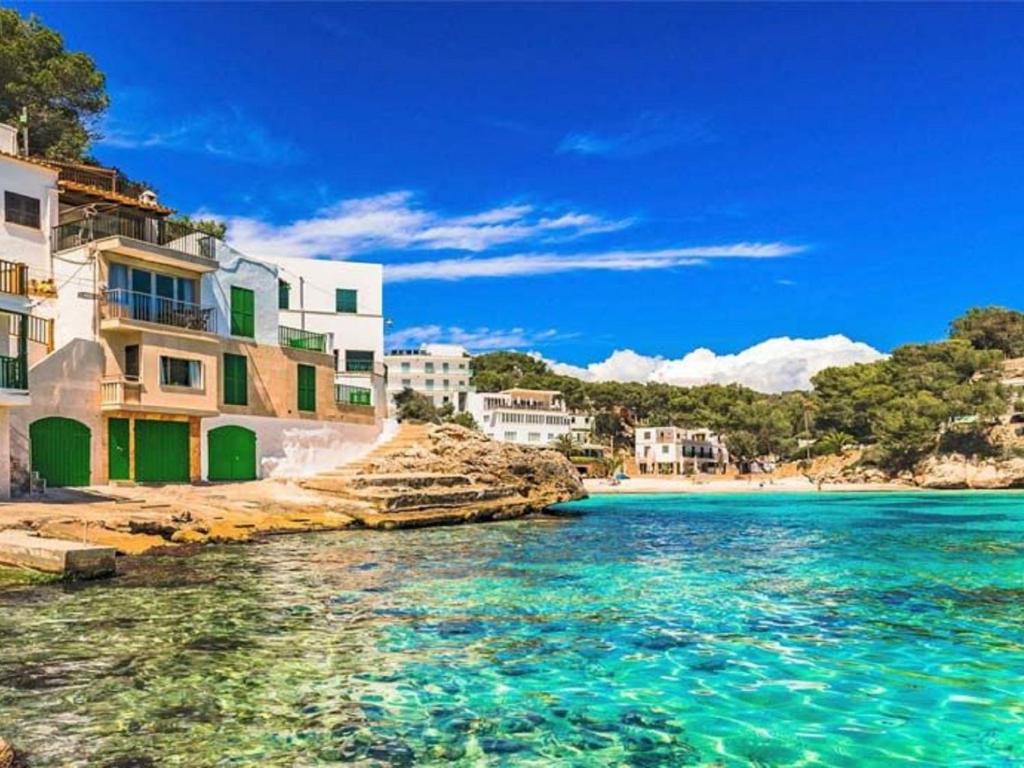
(427, 475)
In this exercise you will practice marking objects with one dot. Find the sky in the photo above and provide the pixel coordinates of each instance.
(674, 192)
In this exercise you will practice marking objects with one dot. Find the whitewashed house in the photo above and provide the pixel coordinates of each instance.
(677, 451)
(525, 416)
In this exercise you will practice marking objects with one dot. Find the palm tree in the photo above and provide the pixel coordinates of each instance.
(565, 445)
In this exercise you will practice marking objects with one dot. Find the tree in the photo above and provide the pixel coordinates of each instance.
(565, 445)
(463, 419)
(63, 91)
(991, 328)
(212, 227)
(833, 443)
(412, 406)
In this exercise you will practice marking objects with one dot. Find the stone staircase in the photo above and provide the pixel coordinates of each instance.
(412, 480)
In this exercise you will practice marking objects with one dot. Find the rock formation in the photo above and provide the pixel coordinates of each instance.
(439, 475)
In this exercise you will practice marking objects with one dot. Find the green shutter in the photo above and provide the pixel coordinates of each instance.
(60, 451)
(236, 379)
(346, 300)
(232, 452)
(283, 294)
(307, 388)
(161, 451)
(117, 449)
(243, 312)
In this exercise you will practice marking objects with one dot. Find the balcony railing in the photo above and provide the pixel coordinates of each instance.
(300, 339)
(148, 229)
(119, 391)
(13, 373)
(13, 278)
(348, 395)
(104, 179)
(359, 366)
(132, 305)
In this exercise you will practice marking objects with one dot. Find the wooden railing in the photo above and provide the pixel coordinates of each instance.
(39, 329)
(297, 338)
(133, 305)
(149, 229)
(13, 278)
(119, 390)
(105, 179)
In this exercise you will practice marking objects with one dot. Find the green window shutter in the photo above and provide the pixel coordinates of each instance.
(346, 300)
(307, 388)
(283, 294)
(236, 379)
(243, 312)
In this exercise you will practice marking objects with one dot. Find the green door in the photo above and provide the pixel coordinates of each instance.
(232, 453)
(60, 451)
(117, 449)
(161, 451)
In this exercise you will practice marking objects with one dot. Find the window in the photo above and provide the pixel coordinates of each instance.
(307, 388)
(405, 368)
(243, 311)
(533, 437)
(510, 437)
(444, 367)
(283, 294)
(346, 300)
(429, 383)
(428, 367)
(131, 362)
(407, 383)
(358, 360)
(236, 379)
(177, 372)
(21, 209)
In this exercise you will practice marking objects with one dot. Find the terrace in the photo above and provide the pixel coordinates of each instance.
(119, 305)
(171, 236)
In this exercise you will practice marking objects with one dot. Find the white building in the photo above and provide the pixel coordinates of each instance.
(582, 427)
(441, 372)
(344, 299)
(676, 451)
(528, 416)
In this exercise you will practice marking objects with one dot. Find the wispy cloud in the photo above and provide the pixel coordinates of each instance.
(648, 133)
(523, 264)
(142, 122)
(398, 221)
(475, 339)
(774, 365)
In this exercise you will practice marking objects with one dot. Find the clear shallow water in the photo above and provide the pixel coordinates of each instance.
(830, 630)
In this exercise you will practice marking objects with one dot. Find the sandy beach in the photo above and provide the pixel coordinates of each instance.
(791, 484)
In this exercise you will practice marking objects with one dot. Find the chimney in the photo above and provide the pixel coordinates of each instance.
(8, 139)
(148, 196)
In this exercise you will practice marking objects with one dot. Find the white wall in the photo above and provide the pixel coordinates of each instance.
(300, 448)
(74, 309)
(492, 423)
(25, 244)
(239, 270)
(312, 307)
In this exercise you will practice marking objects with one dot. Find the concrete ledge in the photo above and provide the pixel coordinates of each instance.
(72, 559)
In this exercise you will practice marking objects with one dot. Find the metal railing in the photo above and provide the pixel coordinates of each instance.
(359, 366)
(345, 394)
(13, 278)
(148, 229)
(297, 338)
(13, 372)
(119, 390)
(132, 305)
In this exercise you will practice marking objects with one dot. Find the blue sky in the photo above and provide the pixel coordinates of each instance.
(651, 177)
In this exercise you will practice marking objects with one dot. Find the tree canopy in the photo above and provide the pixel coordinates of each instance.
(991, 328)
(63, 91)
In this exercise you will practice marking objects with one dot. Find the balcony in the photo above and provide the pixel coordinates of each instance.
(119, 305)
(345, 394)
(13, 373)
(297, 338)
(13, 278)
(170, 235)
(117, 392)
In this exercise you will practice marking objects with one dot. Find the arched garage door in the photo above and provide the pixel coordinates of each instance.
(232, 453)
(60, 451)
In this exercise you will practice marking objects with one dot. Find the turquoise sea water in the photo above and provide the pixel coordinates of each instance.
(831, 630)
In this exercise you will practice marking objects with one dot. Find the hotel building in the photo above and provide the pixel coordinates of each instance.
(441, 372)
(525, 416)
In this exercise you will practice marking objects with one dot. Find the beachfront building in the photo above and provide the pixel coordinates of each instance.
(525, 416)
(165, 359)
(344, 302)
(678, 451)
(440, 372)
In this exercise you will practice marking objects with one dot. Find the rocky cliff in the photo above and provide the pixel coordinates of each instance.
(439, 475)
(949, 471)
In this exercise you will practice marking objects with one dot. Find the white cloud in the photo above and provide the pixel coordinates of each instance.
(648, 133)
(522, 264)
(476, 339)
(396, 220)
(228, 133)
(775, 365)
